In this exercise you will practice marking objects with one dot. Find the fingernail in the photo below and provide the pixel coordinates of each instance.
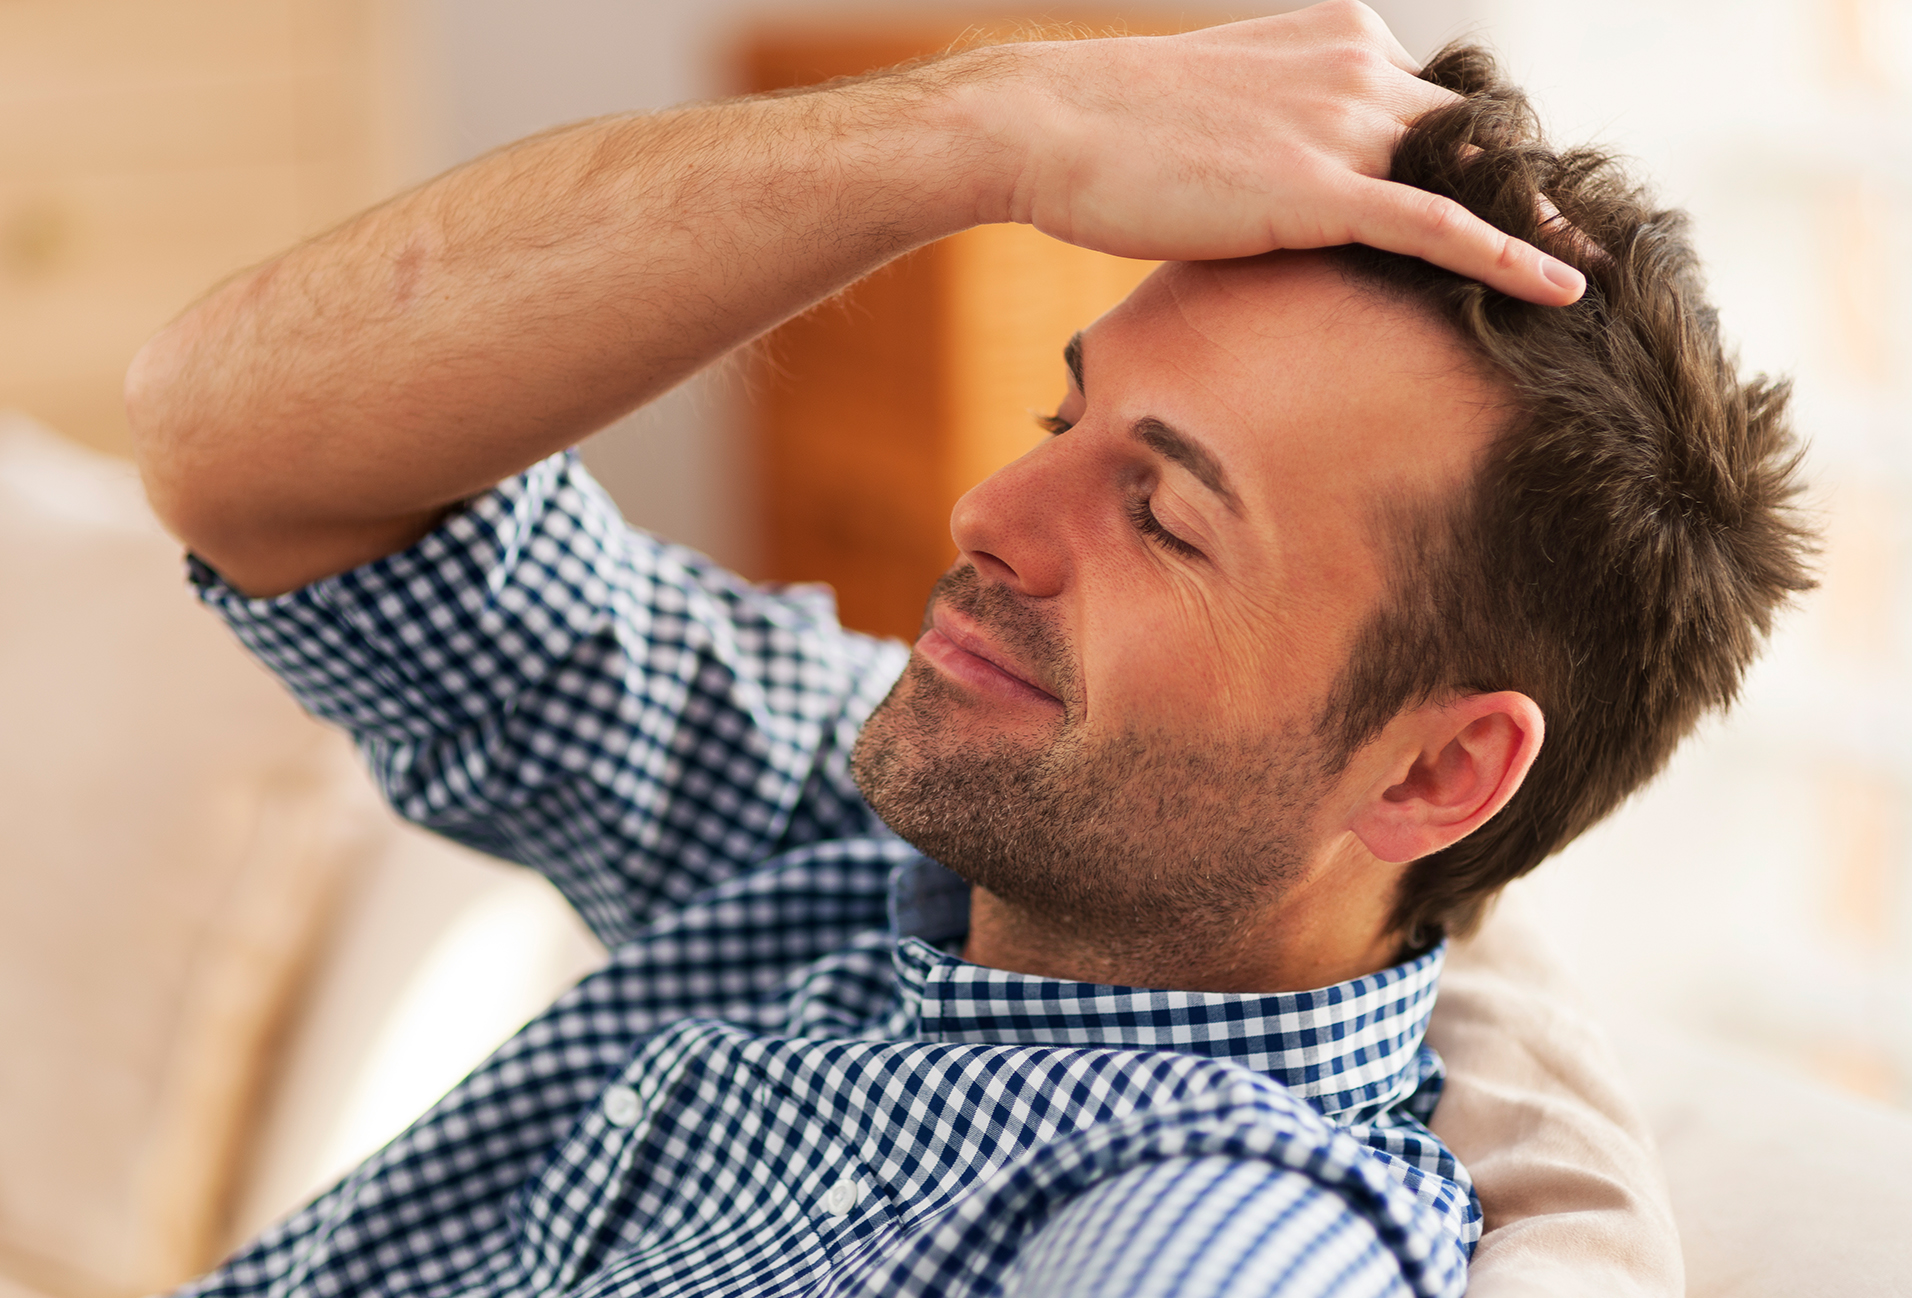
(1561, 275)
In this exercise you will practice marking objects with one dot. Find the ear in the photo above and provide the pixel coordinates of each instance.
(1443, 771)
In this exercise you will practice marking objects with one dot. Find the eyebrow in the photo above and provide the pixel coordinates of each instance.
(1172, 445)
(1179, 448)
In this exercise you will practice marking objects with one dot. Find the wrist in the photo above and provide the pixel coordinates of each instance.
(942, 143)
(987, 110)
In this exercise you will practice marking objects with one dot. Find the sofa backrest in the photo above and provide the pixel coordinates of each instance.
(175, 834)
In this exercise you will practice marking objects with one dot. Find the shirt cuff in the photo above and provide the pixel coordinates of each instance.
(426, 640)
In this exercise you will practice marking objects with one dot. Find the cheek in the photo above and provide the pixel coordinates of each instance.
(1328, 577)
(1178, 655)
(1237, 655)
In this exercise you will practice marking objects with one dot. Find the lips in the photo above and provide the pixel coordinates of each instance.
(958, 650)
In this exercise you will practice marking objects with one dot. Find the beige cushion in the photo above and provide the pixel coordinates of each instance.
(439, 954)
(1539, 1111)
(1784, 1188)
(1780, 1187)
(175, 830)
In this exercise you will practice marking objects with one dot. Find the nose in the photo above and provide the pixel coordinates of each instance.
(1015, 526)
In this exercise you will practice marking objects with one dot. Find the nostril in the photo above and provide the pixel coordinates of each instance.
(988, 565)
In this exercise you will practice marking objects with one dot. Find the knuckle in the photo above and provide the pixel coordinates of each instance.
(1444, 220)
(1360, 23)
(1366, 21)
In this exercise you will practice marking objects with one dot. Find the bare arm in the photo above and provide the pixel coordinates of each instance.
(325, 408)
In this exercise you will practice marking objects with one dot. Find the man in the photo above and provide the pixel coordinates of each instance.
(1232, 704)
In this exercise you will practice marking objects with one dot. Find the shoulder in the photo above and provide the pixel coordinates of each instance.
(1214, 1226)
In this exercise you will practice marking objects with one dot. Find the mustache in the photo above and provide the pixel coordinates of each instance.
(1014, 620)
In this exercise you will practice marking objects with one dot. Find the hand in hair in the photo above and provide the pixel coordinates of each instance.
(1236, 140)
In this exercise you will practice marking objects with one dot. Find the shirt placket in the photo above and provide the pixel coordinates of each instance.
(569, 1208)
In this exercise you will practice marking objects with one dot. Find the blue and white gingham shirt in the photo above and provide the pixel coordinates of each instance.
(783, 1083)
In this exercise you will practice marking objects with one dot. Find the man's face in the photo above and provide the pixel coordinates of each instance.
(1109, 719)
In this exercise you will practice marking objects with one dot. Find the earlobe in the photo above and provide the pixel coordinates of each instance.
(1445, 770)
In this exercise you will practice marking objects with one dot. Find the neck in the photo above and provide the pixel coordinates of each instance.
(1331, 927)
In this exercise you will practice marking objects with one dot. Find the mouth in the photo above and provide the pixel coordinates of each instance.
(957, 648)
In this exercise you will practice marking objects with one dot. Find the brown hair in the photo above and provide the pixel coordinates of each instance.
(1632, 532)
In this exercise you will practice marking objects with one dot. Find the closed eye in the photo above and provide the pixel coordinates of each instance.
(1150, 526)
(1139, 512)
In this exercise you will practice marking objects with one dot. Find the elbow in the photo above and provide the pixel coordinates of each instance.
(167, 436)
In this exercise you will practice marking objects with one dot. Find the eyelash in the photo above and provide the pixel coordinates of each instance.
(1139, 512)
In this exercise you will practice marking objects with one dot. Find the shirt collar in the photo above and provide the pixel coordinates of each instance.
(1351, 1050)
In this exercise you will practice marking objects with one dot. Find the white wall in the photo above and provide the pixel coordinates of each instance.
(1762, 890)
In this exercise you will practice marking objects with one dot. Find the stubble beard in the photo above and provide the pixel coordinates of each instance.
(1151, 849)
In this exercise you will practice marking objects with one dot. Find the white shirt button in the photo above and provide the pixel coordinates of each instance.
(621, 1105)
(840, 1198)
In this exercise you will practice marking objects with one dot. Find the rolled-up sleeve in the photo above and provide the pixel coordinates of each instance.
(542, 682)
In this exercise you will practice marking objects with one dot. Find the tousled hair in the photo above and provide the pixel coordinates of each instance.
(1634, 527)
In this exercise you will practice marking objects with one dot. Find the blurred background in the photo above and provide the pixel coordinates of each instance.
(1758, 895)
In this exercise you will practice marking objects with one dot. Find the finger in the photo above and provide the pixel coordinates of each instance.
(1400, 218)
(1550, 216)
(1418, 98)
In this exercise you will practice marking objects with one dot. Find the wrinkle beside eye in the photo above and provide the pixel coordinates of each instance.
(1248, 623)
(1224, 648)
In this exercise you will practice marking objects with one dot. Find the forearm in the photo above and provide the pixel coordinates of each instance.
(324, 408)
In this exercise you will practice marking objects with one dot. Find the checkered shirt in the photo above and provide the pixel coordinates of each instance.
(783, 1082)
